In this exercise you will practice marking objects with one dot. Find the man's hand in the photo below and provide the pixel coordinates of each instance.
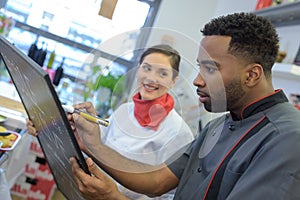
(96, 187)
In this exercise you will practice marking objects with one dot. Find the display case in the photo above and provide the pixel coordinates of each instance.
(13, 160)
(283, 16)
(77, 55)
(286, 18)
(82, 39)
(82, 36)
(286, 14)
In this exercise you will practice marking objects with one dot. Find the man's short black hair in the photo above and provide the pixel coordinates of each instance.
(253, 38)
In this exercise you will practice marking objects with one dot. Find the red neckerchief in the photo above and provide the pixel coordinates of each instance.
(149, 113)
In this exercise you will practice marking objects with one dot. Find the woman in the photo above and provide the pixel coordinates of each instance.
(148, 129)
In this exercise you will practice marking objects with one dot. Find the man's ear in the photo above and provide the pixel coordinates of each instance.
(254, 74)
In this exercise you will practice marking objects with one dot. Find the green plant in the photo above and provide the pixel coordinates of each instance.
(97, 80)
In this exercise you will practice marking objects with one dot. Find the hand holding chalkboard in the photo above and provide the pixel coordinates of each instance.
(44, 109)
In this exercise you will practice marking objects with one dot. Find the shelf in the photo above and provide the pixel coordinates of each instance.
(287, 71)
(71, 43)
(282, 15)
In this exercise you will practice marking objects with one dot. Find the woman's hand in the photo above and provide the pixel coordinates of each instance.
(30, 128)
(87, 133)
(88, 106)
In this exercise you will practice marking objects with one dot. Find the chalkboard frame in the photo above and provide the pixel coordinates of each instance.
(44, 109)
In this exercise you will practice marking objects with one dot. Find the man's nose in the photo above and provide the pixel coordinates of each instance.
(199, 81)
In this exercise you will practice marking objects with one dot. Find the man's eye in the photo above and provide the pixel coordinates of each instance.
(211, 69)
(208, 68)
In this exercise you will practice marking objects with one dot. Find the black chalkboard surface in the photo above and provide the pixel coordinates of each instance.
(45, 111)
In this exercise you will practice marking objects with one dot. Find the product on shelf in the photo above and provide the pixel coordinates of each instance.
(59, 73)
(51, 60)
(263, 4)
(33, 48)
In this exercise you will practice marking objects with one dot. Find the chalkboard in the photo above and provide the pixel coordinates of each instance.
(45, 111)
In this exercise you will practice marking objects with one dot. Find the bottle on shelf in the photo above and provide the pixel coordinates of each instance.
(33, 48)
(51, 60)
(42, 55)
(59, 73)
(37, 53)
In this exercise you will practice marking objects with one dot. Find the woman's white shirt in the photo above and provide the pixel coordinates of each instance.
(126, 136)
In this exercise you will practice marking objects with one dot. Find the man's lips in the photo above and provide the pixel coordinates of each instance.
(203, 96)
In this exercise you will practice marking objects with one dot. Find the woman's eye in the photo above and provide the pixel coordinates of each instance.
(163, 74)
(146, 67)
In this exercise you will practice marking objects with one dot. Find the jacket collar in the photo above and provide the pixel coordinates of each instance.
(261, 104)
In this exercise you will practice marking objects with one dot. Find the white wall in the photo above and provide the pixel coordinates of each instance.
(289, 42)
(224, 7)
(182, 21)
(287, 77)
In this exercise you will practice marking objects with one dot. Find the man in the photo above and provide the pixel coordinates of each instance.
(249, 153)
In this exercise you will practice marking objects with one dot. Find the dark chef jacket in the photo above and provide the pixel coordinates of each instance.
(265, 167)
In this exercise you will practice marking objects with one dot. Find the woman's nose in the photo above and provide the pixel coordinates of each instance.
(152, 77)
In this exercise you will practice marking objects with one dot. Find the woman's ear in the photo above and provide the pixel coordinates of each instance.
(175, 80)
(254, 74)
(137, 70)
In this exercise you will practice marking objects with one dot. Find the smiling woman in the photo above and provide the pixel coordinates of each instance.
(153, 131)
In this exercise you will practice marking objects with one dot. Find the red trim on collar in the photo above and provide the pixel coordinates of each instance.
(257, 100)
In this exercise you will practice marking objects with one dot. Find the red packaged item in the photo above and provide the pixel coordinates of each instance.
(263, 4)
